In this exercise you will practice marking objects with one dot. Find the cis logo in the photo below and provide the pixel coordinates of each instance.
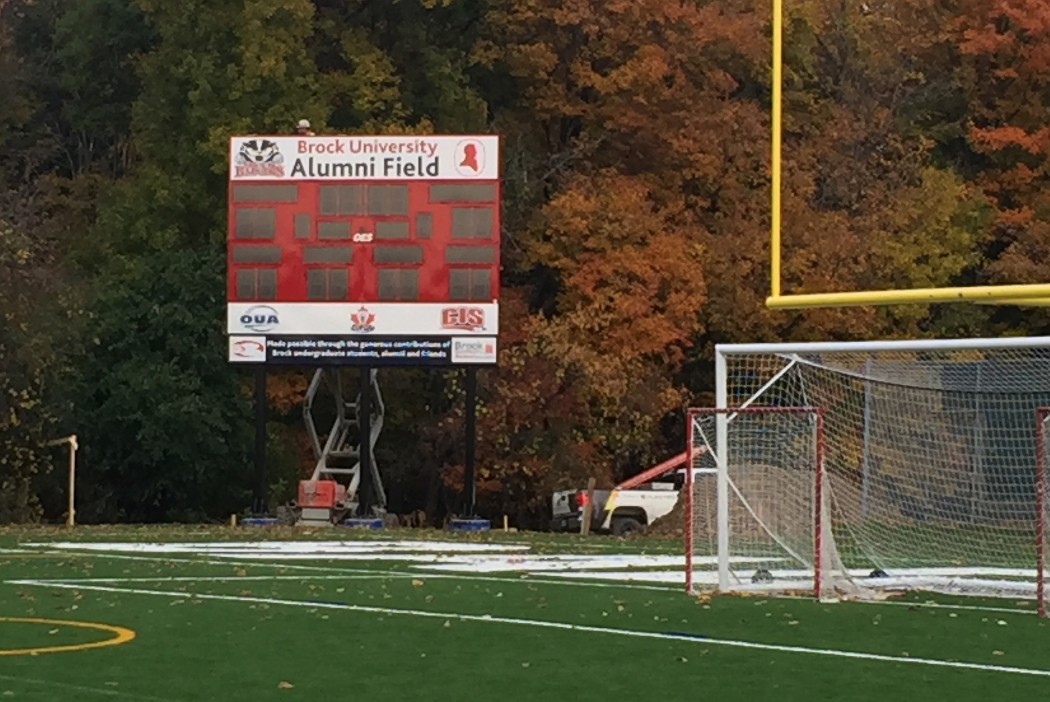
(363, 237)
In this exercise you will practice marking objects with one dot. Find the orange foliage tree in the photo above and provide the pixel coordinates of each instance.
(1006, 72)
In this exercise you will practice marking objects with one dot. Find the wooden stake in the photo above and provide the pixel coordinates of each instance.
(585, 523)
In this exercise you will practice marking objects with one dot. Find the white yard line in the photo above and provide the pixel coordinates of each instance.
(104, 691)
(488, 619)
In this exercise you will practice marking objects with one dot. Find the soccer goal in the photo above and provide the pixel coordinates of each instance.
(861, 468)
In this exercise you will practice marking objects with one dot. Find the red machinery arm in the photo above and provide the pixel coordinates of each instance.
(656, 471)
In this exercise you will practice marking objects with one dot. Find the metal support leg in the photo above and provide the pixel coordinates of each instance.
(259, 493)
(469, 473)
(364, 439)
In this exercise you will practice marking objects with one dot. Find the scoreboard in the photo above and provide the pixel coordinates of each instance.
(363, 250)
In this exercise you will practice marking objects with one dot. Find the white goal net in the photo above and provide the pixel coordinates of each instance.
(857, 468)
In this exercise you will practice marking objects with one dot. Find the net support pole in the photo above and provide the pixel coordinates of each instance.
(865, 464)
(722, 460)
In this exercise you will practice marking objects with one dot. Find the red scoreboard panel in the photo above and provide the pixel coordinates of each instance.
(363, 250)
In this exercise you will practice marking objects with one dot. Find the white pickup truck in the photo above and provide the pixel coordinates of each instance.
(615, 511)
(628, 507)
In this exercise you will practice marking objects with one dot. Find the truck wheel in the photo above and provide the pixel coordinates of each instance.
(622, 526)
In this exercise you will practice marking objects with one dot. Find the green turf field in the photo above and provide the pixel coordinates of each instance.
(208, 624)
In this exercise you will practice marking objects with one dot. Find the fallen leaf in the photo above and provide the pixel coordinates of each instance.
(284, 685)
(416, 582)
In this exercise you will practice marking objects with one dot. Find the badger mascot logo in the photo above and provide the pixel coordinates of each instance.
(259, 158)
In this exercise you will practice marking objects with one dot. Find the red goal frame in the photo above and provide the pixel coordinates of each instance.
(818, 483)
(1042, 415)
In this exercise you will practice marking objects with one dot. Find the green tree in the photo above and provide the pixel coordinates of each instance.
(26, 369)
(165, 425)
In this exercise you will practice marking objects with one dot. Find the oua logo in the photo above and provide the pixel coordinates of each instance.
(260, 318)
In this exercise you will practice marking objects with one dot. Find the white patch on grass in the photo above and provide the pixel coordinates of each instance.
(277, 549)
(480, 558)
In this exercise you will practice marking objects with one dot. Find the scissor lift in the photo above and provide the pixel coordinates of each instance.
(333, 491)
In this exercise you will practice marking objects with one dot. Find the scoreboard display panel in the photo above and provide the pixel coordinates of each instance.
(364, 250)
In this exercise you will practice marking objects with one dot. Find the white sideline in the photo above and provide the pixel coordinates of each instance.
(728, 643)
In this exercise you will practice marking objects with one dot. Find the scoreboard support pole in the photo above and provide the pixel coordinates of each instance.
(469, 472)
(364, 425)
(259, 506)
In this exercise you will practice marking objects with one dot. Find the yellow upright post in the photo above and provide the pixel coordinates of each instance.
(777, 138)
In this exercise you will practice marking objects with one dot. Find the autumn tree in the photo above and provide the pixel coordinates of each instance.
(1006, 74)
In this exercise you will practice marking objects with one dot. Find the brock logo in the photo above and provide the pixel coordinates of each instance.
(259, 157)
(463, 318)
(249, 348)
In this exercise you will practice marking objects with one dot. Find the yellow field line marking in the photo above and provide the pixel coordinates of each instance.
(121, 636)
